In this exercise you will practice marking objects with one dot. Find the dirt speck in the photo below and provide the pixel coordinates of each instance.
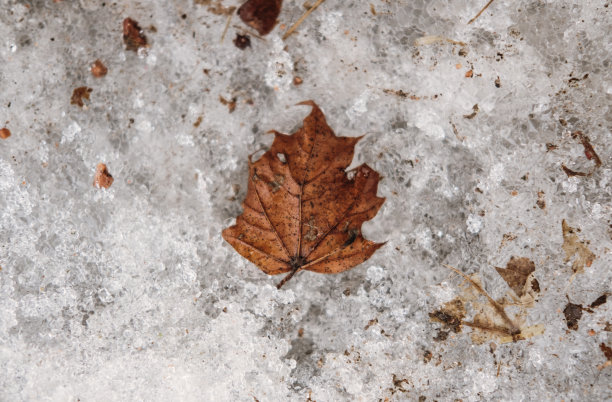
(79, 95)
(98, 69)
(102, 178)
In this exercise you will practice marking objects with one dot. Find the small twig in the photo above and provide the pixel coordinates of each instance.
(229, 18)
(302, 18)
(480, 12)
(500, 310)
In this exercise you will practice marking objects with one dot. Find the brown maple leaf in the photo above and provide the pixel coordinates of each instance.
(260, 14)
(302, 211)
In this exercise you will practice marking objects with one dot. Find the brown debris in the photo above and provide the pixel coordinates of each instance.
(260, 14)
(589, 152)
(5, 133)
(102, 178)
(497, 82)
(541, 203)
(231, 104)
(516, 273)
(469, 74)
(218, 9)
(506, 238)
(79, 94)
(451, 315)
(398, 384)
(242, 41)
(406, 95)
(272, 230)
(599, 301)
(475, 111)
(373, 321)
(573, 313)
(607, 351)
(574, 247)
(297, 81)
(133, 36)
(98, 69)
(570, 173)
(551, 147)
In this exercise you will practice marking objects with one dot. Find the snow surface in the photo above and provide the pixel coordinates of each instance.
(130, 293)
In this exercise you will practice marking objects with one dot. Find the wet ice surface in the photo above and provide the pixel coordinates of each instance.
(130, 293)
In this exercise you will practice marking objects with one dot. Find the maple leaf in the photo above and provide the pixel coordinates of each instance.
(302, 211)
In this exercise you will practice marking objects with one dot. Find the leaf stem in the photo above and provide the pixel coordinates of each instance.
(286, 278)
(302, 18)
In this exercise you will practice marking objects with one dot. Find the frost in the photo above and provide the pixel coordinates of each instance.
(70, 132)
(474, 224)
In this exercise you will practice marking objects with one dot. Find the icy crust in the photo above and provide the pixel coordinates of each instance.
(130, 293)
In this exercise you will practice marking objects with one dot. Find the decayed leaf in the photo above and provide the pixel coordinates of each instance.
(490, 319)
(79, 94)
(260, 14)
(133, 36)
(516, 273)
(573, 314)
(573, 246)
(302, 212)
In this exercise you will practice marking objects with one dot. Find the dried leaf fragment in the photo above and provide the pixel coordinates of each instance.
(133, 36)
(79, 94)
(589, 152)
(451, 315)
(5, 133)
(231, 104)
(607, 351)
(574, 247)
(516, 273)
(311, 218)
(475, 111)
(260, 14)
(102, 178)
(572, 313)
(599, 301)
(98, 69)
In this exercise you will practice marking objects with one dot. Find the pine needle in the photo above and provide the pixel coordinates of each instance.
(302, 18)
(480, 12)
(227, 24)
